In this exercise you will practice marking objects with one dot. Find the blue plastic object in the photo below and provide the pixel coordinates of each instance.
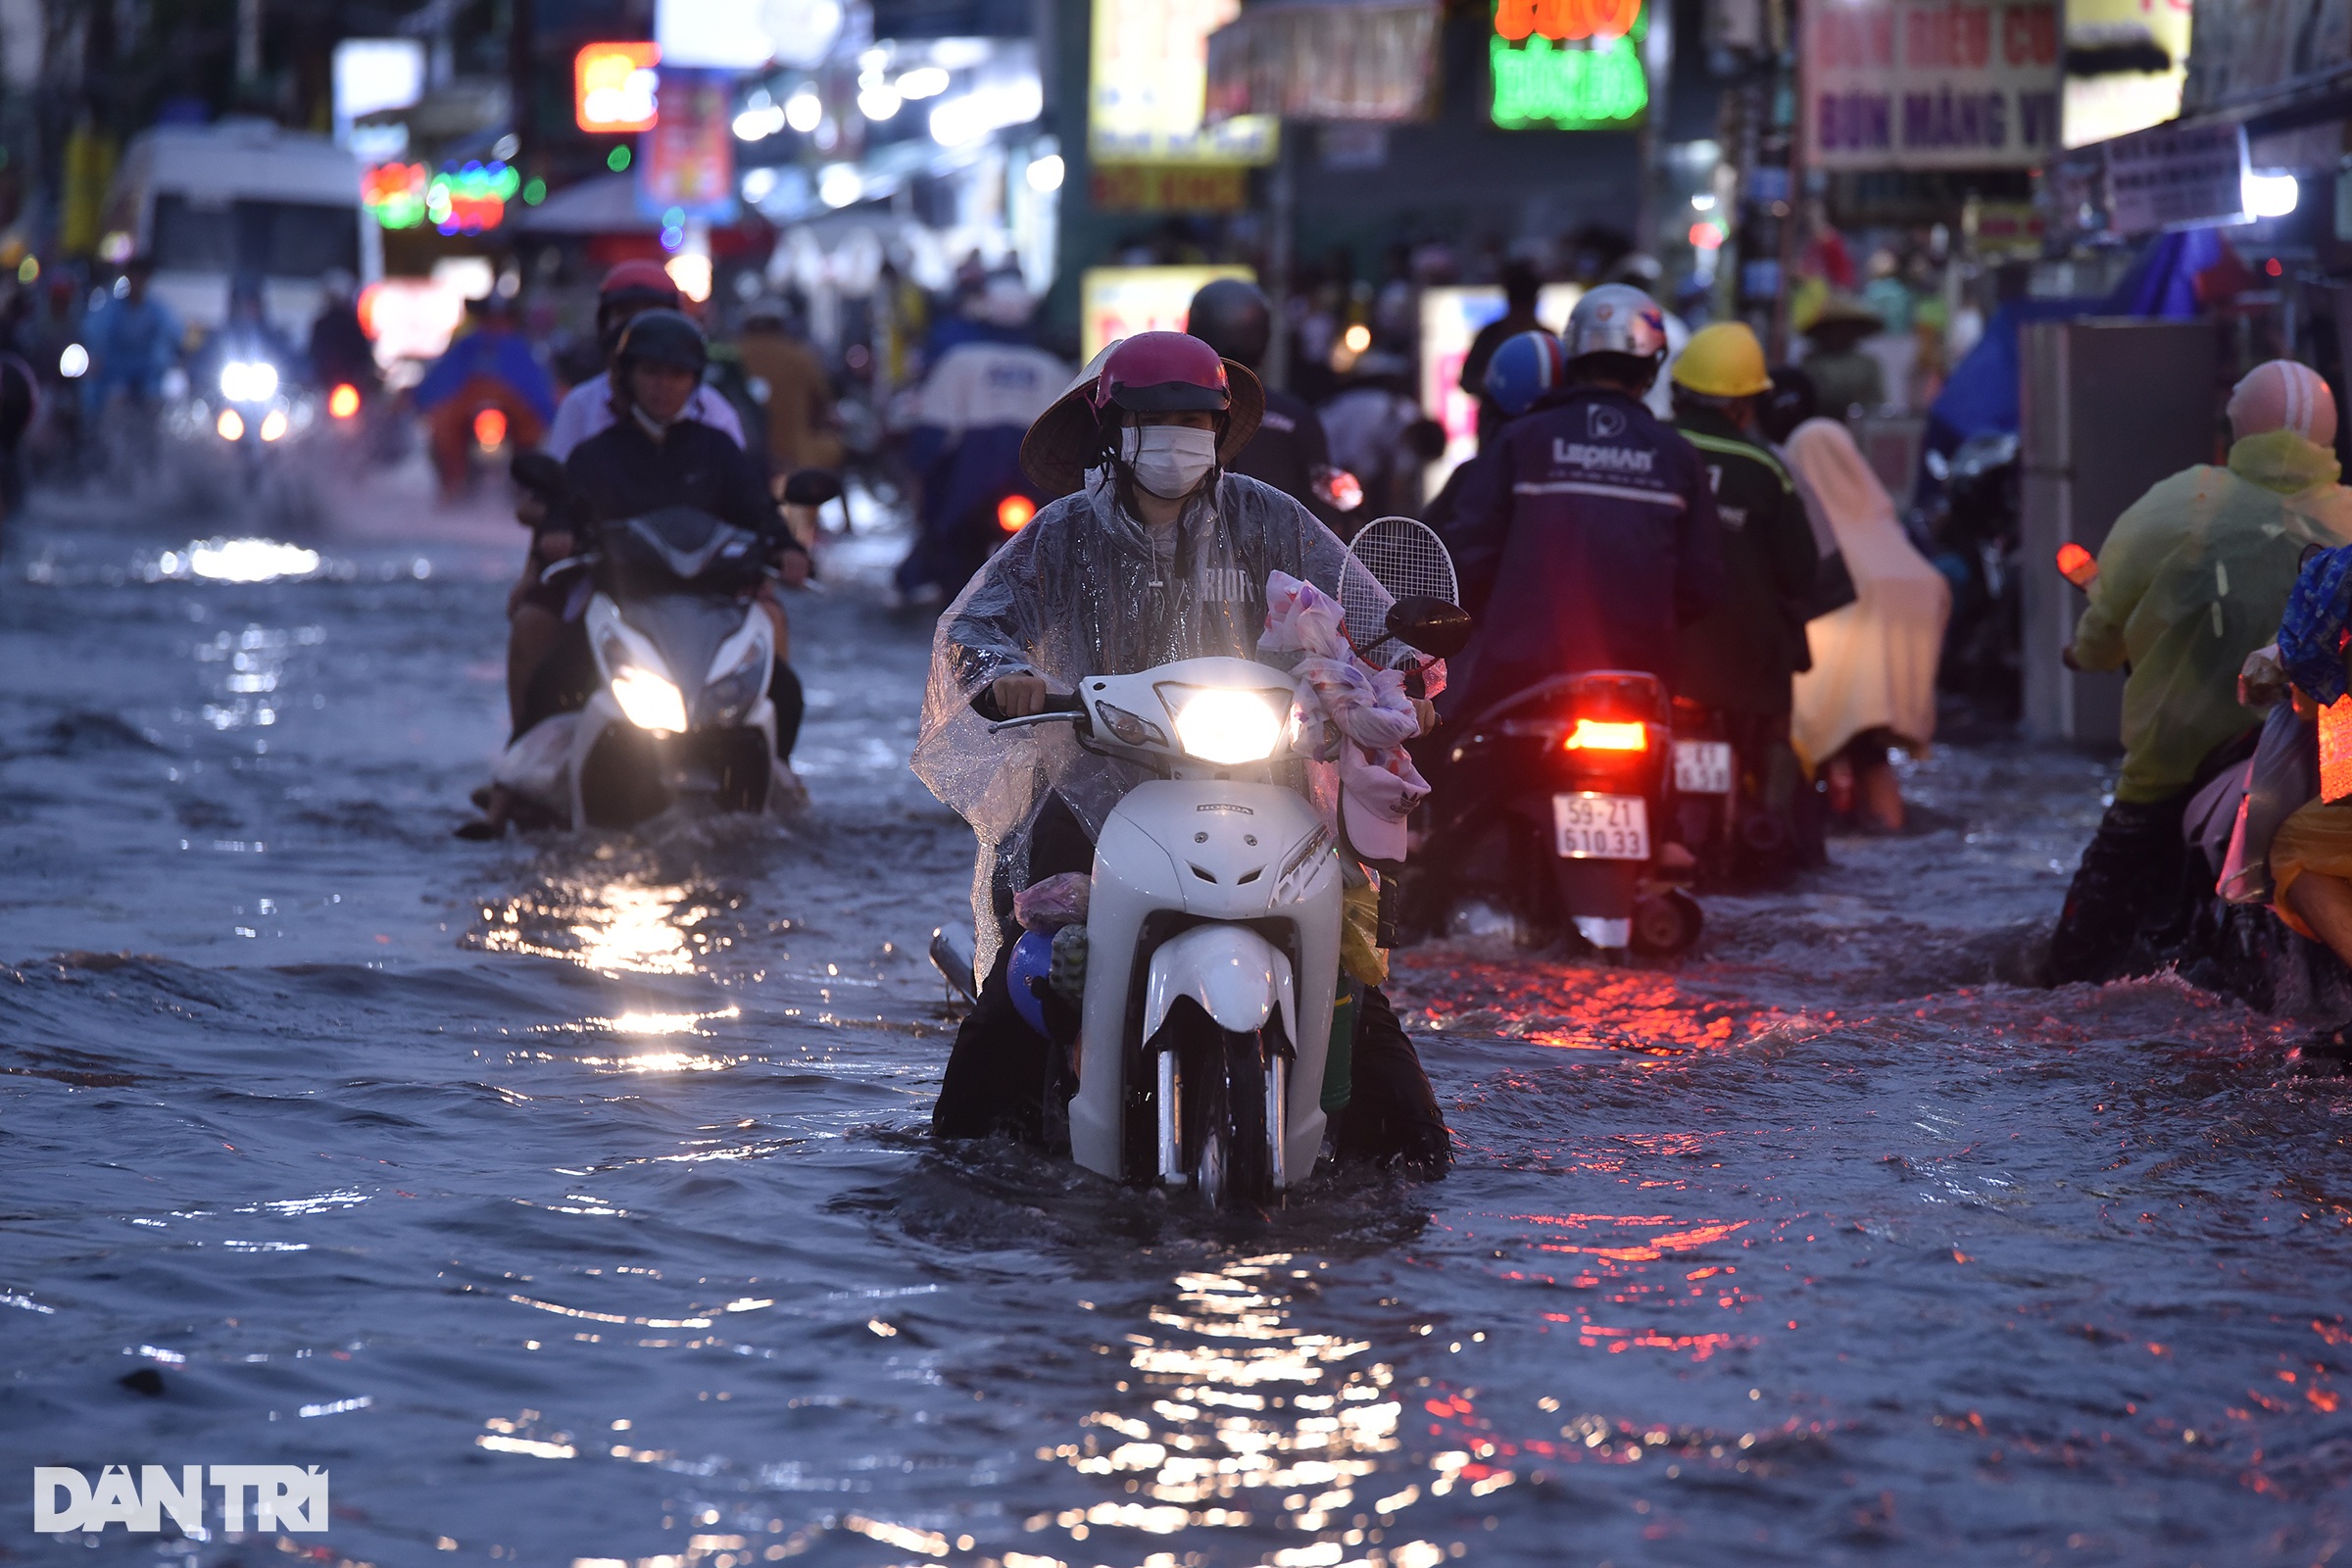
(1032, 957)
(1524, 369)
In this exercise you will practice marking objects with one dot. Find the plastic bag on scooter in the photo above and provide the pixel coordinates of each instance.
(1059, 900)
(2285, 774)
(537, 764)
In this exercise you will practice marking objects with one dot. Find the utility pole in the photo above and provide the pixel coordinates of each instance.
(249, 42)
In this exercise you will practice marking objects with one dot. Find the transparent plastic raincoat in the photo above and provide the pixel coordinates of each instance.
(1086, 589)
(2192, 579)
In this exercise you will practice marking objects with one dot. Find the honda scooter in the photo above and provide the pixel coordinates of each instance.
(675, 712)
(1212, 935)
(1555, 799)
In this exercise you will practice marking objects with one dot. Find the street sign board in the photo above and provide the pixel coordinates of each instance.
(2184, 176)
(1930, 85)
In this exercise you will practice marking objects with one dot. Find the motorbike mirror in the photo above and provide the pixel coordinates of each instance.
(813, 487)
(1431, 625)
(537, 473)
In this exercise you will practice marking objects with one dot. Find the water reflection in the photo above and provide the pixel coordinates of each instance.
(1245, 1419)
(1572, 1007)
(629, 924)
(239, 561)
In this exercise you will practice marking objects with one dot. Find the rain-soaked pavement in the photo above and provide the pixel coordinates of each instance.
(569, 1201)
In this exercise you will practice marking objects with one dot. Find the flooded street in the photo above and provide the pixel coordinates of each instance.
(570, 1199)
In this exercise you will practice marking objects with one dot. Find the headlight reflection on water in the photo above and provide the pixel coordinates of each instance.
(629, 925)
(1253, 1422)
(239, 561)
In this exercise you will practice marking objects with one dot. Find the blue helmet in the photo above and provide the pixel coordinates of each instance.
(1525, 369)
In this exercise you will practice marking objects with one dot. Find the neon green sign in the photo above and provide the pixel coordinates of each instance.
(1555, 68)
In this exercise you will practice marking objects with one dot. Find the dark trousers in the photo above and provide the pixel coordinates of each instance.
(1001, 1070)
(2125, 893)
(2136, 894)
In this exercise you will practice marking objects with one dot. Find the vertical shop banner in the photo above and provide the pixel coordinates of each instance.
(686, 163)
(1932, 84)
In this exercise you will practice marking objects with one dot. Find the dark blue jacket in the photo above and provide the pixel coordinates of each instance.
(1585, 537)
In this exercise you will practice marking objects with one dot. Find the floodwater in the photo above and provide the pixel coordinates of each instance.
(569, 1199)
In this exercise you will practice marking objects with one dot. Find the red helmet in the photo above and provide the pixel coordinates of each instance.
(1163, 372)
(638, 284)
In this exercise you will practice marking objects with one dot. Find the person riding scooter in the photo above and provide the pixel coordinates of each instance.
(2193, 577)
(976, 405)
(1738, 658)
(1591, 538)
(654, 455)
(627, 292)
(1158, 555)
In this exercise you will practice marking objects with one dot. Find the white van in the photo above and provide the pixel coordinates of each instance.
(241, 199)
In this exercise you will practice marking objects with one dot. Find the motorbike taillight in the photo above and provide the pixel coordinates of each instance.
(1606, 735)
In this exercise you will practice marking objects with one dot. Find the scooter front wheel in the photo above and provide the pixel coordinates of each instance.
(1231, 1152)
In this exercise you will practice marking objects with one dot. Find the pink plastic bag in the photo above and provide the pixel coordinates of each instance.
(1059, 900)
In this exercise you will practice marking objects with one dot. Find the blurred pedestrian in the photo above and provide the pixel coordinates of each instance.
(1872, 684)
(1379, 433)
(804, 428)
(340, 350)
(2194, 576)
(1290, 451)
(1847, 380)
(132, 339)
(1522, 284)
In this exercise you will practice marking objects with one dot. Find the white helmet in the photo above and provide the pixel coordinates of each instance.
(1616, 318)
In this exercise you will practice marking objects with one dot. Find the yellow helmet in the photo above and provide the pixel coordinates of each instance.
(1723, 360)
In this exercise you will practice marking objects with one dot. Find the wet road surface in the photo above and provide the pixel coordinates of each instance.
(570, 1199)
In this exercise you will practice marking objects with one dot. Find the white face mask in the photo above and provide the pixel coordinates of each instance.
(1168, 460)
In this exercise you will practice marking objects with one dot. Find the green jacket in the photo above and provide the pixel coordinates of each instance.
(2192, 578)
(1742, 655)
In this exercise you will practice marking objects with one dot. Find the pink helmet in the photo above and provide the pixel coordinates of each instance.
(2282, 395)
(1163, 372)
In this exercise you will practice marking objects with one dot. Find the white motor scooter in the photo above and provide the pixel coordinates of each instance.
(1212, 938)
(1212, 925)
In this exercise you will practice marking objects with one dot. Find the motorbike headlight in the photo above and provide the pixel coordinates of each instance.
(650, 702)
(1227, 727)
(249, 380)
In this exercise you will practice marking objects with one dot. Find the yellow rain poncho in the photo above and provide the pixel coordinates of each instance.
(2192, 580)
(1874, 662)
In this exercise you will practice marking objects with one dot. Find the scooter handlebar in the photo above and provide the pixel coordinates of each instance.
(1060, 705)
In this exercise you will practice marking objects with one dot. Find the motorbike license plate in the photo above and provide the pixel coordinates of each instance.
(1703, 768)
(1601, 827)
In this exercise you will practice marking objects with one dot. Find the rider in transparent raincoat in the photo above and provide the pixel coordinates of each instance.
(1156, 554)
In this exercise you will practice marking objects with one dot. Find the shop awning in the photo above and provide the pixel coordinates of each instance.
(2272, 66)
(1360, 60)
(604, 204)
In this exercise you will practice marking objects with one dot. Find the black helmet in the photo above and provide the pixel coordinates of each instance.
(1231, 317)
(663, 337)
